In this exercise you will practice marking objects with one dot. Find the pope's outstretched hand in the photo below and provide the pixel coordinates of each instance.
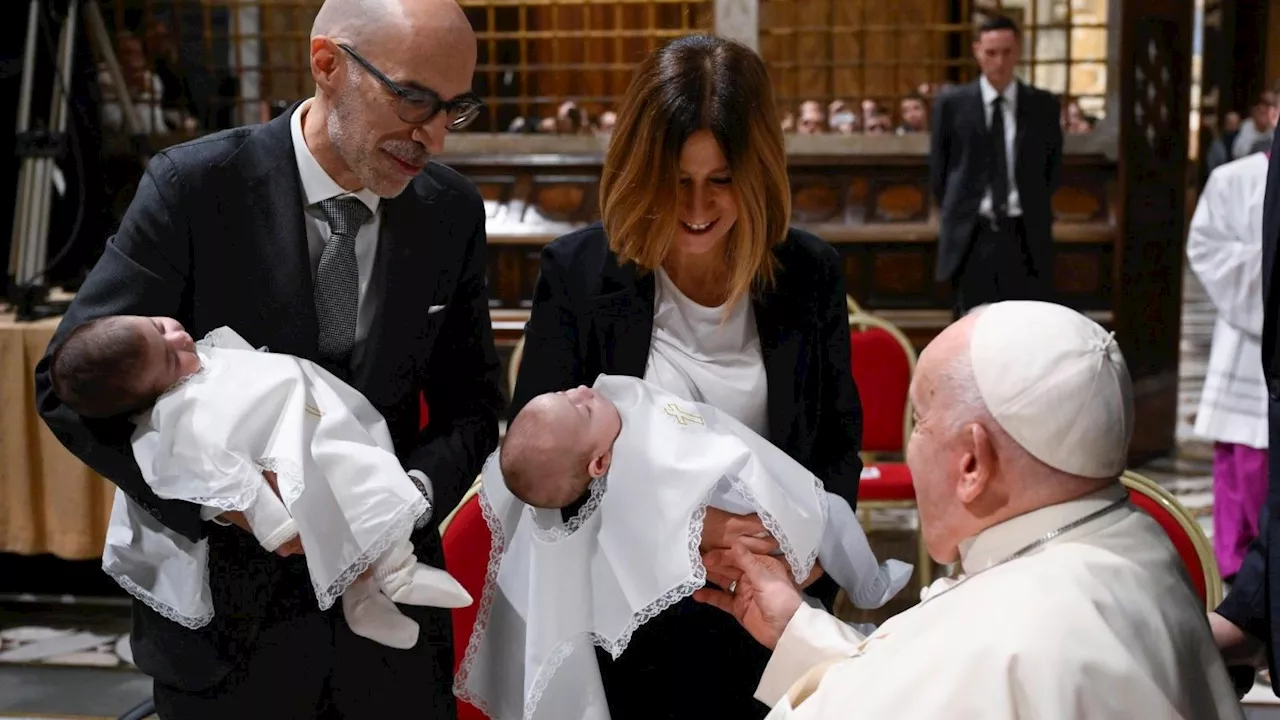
(764, 598)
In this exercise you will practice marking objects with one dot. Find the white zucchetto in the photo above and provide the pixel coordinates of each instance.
(1057, 383)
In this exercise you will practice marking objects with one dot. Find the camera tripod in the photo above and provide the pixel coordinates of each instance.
(42, 143)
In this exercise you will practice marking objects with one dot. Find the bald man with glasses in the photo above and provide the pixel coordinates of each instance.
(328, 234)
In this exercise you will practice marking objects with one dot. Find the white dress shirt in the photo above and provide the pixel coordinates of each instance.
(318, 185)
(1010, 95)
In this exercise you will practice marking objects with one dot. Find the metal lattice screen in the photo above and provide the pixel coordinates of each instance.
(872, 51)
(537, 58)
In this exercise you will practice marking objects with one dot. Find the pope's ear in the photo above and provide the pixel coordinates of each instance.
(977, 465)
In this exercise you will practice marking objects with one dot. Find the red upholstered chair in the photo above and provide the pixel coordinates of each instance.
(883, 363)
(1183, 531)
(467, 542)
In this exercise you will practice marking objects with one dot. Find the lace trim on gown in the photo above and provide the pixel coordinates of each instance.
(800, 569)
(614, 646)
(191, 622)
(398, 530)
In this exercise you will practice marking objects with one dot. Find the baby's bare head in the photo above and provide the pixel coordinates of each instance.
(120, 364)
(556, 445)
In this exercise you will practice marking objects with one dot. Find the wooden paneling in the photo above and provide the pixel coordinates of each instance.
(1155, 48)
(874, 210)
(852, 49)
(587, 50)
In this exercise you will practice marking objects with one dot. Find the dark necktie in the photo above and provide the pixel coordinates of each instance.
(999, 162)
(337, 288)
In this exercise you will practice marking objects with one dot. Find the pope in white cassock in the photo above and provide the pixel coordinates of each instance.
(1070, 603)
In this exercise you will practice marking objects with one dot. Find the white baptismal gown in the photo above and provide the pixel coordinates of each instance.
(208, 441)
(554, 589)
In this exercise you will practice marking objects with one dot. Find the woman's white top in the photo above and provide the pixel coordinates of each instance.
(208, 440)
(702, 355)
(553, 589)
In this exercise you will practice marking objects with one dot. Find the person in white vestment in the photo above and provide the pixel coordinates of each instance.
(1224, 248)
(211, 417)
(633, 550)
(1070, 602)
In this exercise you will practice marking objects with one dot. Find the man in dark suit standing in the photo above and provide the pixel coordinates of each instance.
(1247, 623)
(325, 234)
(994, 160)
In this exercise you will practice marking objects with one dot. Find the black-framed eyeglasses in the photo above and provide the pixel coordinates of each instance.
(419, 105)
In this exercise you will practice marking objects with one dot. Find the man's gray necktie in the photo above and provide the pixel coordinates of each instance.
(338, 277)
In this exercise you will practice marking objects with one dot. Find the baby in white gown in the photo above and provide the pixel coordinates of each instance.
(211, 417)
(650, 464)
(561, 442)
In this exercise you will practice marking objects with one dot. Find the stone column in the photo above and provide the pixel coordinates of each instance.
(739, 20)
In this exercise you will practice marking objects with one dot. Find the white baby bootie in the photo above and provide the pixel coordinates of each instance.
(370, 614)
(270, 520)
(405, 580)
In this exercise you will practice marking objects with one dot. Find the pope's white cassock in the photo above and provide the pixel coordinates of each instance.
(1096, 621)
(1100, 623)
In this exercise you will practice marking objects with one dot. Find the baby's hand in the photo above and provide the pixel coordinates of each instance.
(721, 529)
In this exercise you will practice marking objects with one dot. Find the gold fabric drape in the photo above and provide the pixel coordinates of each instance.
(50, 502)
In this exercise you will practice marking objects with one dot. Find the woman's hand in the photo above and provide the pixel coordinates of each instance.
(721, 529)
(723, 571)
(814, 574)
(763, 598)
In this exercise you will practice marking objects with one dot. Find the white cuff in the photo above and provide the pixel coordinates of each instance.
(810, 638)
(208, 512)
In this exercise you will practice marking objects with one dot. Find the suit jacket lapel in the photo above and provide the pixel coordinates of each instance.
(275, 214)
(623, 318)
(413, 258)
(1020, 123)
(978, 108)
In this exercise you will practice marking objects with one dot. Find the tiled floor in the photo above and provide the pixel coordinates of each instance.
(71, 660)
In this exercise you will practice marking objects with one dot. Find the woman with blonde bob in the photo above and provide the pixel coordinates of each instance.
(694, 282)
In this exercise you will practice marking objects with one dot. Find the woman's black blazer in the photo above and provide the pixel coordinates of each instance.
(592, 316)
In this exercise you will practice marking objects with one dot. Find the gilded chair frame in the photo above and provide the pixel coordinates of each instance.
(513, 367)
(1204, 549)
(470, 493)
(859, 318)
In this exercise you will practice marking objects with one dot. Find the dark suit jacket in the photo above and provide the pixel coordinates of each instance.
(592, 316)
(959, 158)
(214, 237)
(1254, 602)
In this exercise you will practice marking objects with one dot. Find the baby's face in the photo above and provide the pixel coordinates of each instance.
(171, 353)
(586, 418)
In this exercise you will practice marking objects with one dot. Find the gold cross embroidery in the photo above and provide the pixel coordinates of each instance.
(684, 417)
(313, 411)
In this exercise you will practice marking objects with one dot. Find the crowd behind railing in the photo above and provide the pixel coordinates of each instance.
(160, 87)
(809, 117)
